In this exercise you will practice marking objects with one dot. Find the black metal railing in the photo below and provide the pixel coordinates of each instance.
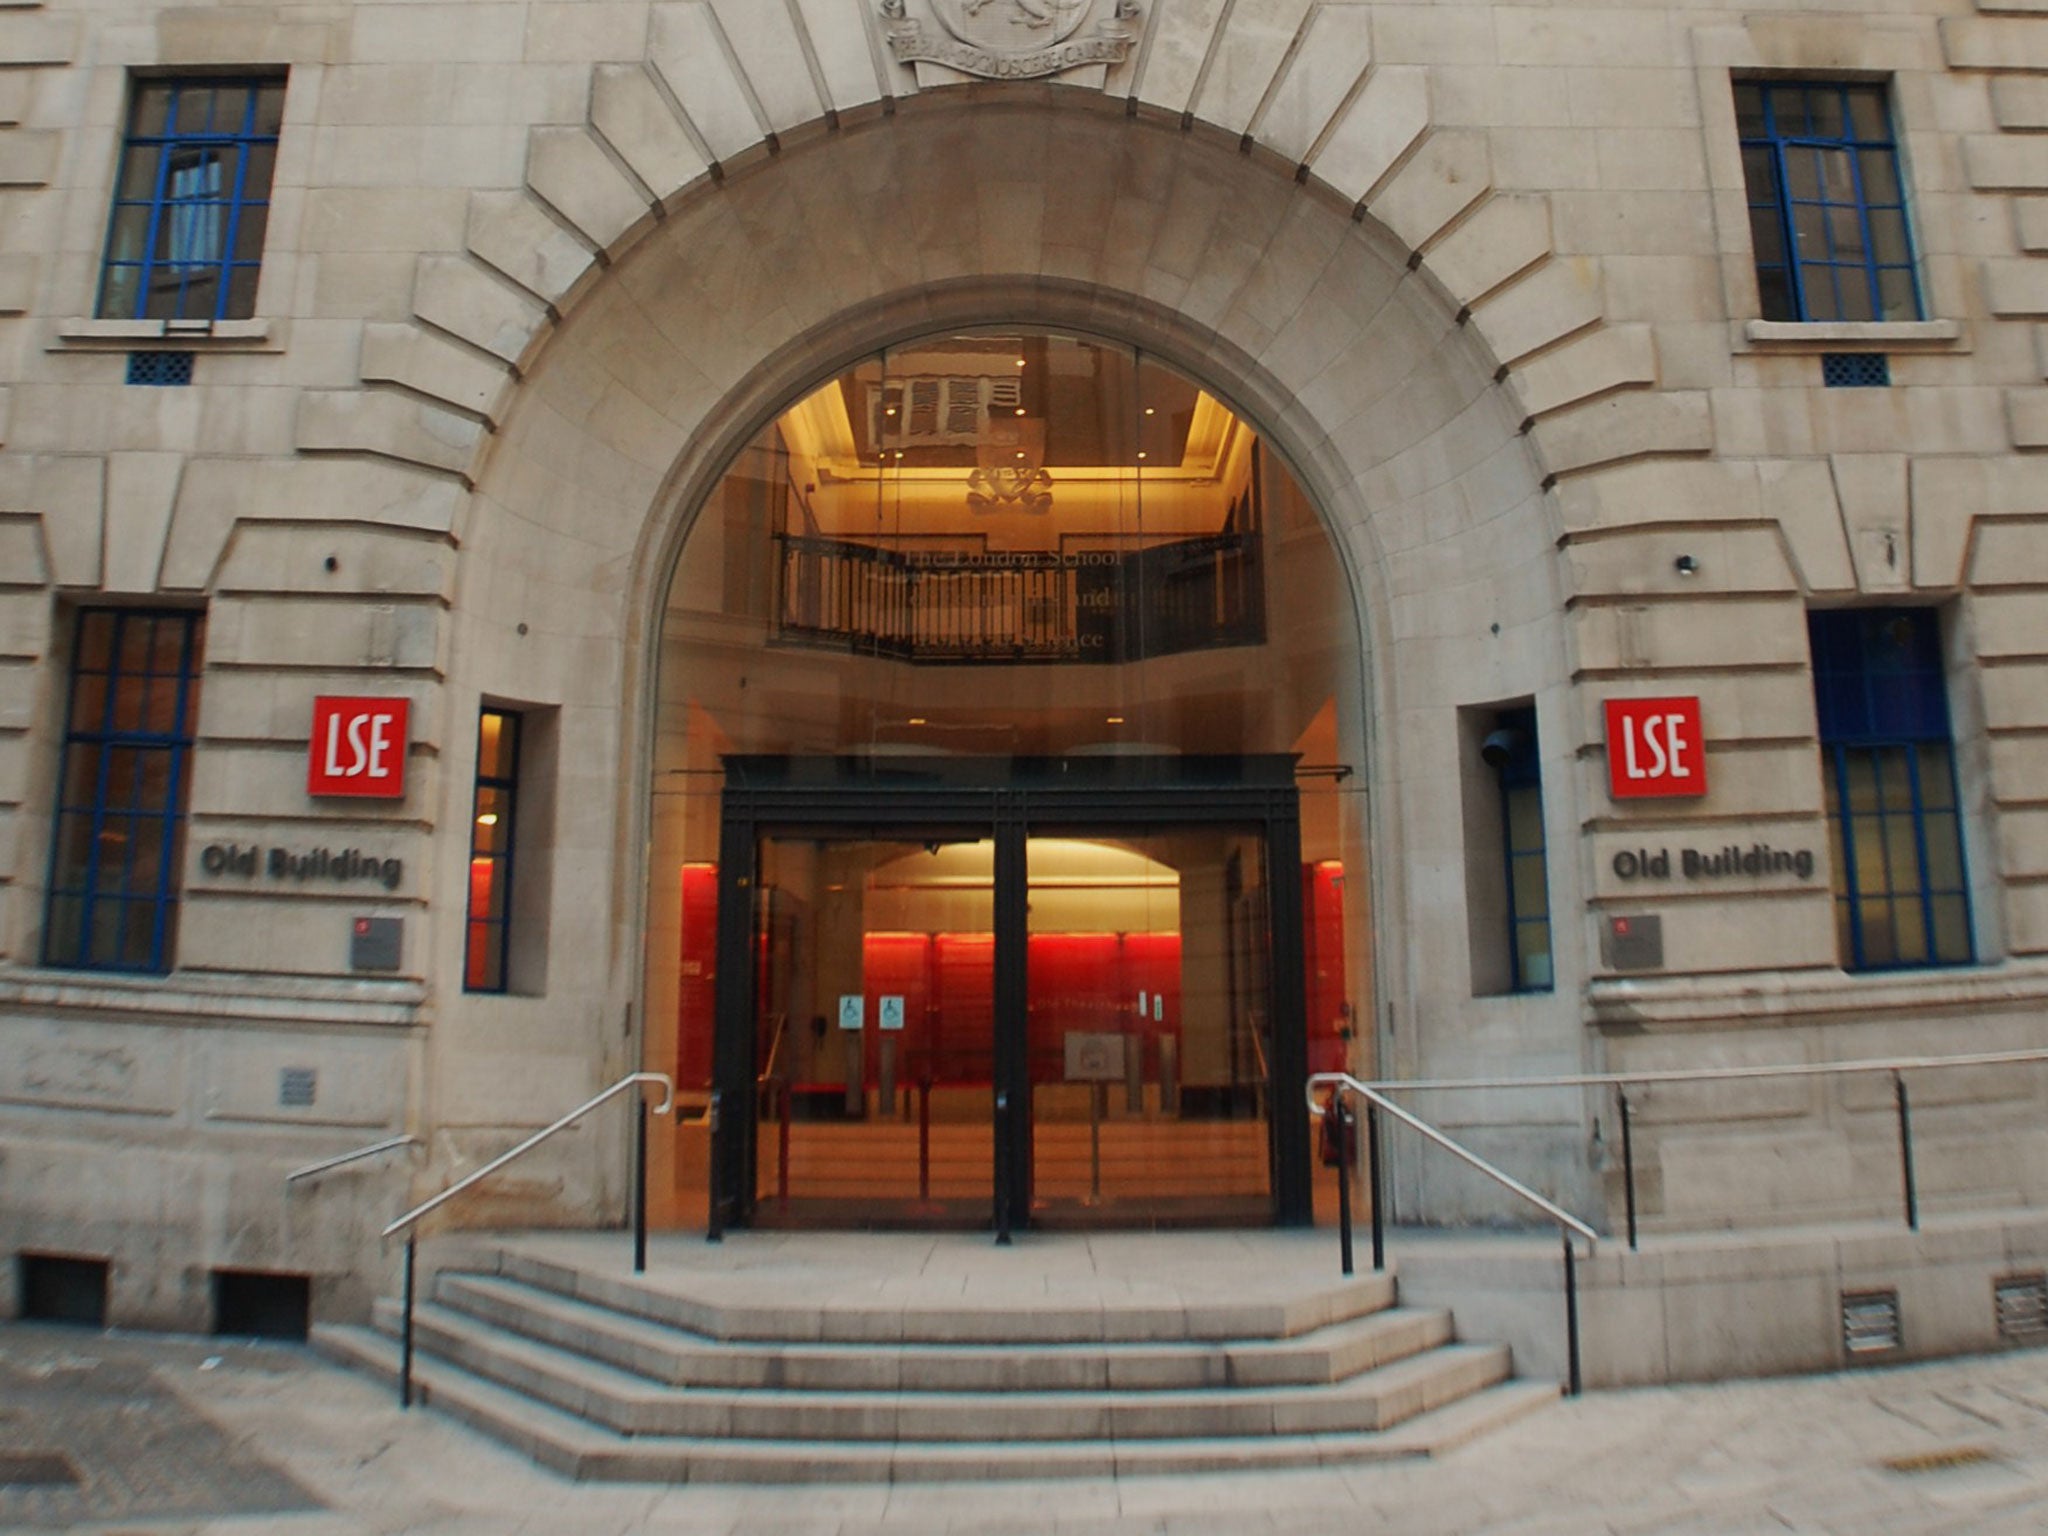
(1100, 606)
(409, 1222)
(1341, 1088)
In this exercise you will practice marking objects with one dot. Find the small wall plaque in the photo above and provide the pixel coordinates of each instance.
(375, 943)
(296, 1087)
(1634, 942)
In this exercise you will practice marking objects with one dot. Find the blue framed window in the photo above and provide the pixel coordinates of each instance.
(192, 199)
(125, 780)
(1511, 748)
(1894, 820)
(490, 852)
(1827, 208)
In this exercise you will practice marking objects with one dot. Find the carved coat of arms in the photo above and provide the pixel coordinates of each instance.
(1011, 39)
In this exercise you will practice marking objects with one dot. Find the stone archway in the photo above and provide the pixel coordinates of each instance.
(1387, 406)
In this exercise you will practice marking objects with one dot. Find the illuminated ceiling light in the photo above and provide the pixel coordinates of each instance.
(899, 453)
(488, 819)
(1149, 411)
(1020, 362)
(1020, 410)
(1020, 453)
(1141, 453)
(891, 411)
(1116, 720)
(915, 720)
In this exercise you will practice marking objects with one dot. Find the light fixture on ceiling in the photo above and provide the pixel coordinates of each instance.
(1685, 565)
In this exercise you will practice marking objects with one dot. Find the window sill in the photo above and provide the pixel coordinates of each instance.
(1851, 336)
(92, 335)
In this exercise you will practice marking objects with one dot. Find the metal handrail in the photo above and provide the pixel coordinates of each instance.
(1709, 1074)
(389, 1144)
(767, 1071)
(668, 1094)
(1894, 1067)
(411, 1218)
(1375, 1096)
(1338, 1084)
(1344, 1080)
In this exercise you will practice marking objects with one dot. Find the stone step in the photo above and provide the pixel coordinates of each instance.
(1375, 1399)
(579, 1449)
(1031, 1320)
(676, 1357)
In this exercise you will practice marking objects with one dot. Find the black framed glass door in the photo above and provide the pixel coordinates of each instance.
(1061, 984)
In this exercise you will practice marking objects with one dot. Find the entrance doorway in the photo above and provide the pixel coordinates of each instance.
(1004, 802)
(1036, 990)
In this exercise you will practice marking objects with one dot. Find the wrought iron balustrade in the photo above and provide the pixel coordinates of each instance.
(1101, 605)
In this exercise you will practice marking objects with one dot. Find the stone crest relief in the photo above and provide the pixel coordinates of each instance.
(1012, 39)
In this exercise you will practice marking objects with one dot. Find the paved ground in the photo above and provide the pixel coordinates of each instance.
(177, 1435)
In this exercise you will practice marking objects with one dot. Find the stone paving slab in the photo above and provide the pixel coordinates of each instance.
(92, 1433)
(1814, 1456)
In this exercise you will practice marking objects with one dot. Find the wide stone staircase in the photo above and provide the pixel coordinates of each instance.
(598, 1373)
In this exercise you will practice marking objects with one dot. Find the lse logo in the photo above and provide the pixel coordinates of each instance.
(358, 747)
(1655, 747)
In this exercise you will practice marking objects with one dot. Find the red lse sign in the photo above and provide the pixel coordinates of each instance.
(1655, 747)
(358, 748)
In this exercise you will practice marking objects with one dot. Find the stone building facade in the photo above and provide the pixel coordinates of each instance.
(1585, 405)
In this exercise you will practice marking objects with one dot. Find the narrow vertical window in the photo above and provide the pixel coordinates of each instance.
(490, 851)
(191, 199)
(1888, 764)
(1827, 207)
(1511, 750)
(125, 781)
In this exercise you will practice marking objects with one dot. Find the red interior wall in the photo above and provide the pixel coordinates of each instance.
(1322, 902)
(698, 980)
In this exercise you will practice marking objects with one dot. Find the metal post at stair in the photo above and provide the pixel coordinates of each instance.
(639, 1183)
(405, 1326)
(1906, 1150)
(1571, 1316)
(924, 1138)
(714, 1220)
(1096, 1093)
(1372, 1176)
(1002, 1168)
(1628, 1166)
(785, 1110)
(1345, 1150)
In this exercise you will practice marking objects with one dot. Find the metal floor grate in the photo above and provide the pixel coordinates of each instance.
(37, 1469)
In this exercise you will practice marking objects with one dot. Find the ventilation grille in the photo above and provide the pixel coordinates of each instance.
(162, 369)
(1855, 370)
(1870, 1322)
(2022, 1302)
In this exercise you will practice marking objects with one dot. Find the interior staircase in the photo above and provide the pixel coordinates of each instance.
(600, 1374)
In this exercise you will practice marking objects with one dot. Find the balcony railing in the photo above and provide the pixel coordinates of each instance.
(1090, 606)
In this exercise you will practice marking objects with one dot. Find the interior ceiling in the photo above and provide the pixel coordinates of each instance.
(941, 406)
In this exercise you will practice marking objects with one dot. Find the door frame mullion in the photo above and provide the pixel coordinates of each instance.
(1012, 1011)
